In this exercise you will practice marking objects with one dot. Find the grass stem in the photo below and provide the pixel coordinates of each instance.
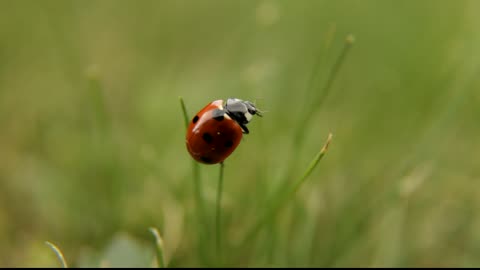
(218, 216)
(158, 247)
(59, 254)
(310, 168)
(197, 187)
(186, 119)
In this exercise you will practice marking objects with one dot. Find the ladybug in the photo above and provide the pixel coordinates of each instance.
(217, 129)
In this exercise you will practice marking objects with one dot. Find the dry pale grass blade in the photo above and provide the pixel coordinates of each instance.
(58, 253)
(158, 247)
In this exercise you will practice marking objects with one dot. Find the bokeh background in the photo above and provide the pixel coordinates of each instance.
(92, 147)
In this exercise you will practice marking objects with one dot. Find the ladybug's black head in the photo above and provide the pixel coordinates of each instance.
(241, 111)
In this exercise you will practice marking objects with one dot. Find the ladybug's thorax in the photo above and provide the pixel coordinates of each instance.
(240, 111)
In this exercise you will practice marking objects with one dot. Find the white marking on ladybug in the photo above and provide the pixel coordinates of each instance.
(248, 116)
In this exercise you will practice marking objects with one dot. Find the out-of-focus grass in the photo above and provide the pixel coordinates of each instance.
(92, 147)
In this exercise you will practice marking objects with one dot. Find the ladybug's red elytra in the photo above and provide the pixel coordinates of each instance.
(216, 130)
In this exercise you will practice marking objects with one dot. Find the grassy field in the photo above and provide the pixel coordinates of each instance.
(92, 135)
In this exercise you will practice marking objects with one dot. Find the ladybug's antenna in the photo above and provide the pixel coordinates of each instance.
(258, 111)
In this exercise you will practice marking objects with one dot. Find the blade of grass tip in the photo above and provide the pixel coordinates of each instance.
(310, 168)
(58, 253)
(197, 186)
(184, 110)
(218, 219)
(158, 247)
(277, 204)
(196, 167)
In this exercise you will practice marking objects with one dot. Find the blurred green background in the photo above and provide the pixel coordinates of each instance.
(92, 147)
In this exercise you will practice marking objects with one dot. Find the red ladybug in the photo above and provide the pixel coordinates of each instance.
(216, 130)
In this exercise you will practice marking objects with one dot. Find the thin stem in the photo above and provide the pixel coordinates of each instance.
(218, 219)
(58, 253)
(318, 101)
(310, 168)
(311, 86)
(197, 187)
(323, 94)
(158, 247)
(335, 69)
(186, 119)
(277, 204)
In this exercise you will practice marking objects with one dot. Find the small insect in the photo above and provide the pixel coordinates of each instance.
(216, 130)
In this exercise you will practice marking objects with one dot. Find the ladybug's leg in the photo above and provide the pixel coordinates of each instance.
(244, 128)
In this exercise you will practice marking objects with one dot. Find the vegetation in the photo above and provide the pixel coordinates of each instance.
(92, 136)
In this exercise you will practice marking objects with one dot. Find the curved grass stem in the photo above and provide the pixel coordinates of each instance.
(218, 216)
(58, 253)
(158, 247)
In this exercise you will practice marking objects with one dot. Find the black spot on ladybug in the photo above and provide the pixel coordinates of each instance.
(195, 119)
(228, 143)
(207, 137)
(206, 159)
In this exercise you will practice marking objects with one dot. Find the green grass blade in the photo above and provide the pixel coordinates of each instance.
(58, 253)
(158, 247)
(198, 194)
(311, 86)
(186, 119)
(310, 168)
(334, 71)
